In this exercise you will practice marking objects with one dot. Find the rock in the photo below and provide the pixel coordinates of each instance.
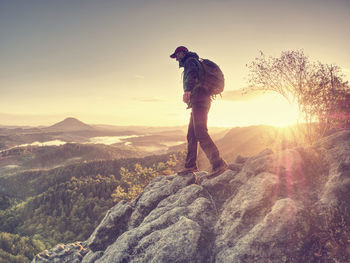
(277, 237)
(288, 206)
(124, 216)
(240, 159)
(235, 166)
(244, 210)
(156, 191)
(91, 257)
(114, 223)
(220, 187)
(335, 149)
(173, 217)
(178, 242)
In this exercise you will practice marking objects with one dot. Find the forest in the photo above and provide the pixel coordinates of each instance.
(42, 208)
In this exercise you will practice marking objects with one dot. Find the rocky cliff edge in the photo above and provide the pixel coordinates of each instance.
(288, 206)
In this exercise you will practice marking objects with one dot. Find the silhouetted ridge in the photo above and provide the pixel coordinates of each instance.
(70, 124)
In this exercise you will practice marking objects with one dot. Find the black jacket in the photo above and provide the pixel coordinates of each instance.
(192, 77)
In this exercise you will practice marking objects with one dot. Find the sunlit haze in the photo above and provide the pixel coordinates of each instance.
(107, 62)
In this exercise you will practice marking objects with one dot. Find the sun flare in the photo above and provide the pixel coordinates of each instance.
(269, 109)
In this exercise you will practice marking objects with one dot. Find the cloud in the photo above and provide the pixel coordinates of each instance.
(139, 77)
(148, 99)
(237, 95)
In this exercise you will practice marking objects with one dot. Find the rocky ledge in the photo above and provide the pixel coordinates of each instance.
(288, 206)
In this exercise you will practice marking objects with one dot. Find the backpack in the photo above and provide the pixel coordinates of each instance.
(213, 78)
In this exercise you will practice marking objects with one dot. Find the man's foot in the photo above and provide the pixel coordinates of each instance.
(188, 170)
(218, 170)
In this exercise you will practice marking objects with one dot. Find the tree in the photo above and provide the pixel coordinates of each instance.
(133, 182)
(318, 89)
(329, 99)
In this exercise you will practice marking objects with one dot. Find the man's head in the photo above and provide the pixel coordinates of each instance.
(179, 53)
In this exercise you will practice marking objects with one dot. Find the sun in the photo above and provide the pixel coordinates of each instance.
(268, 109)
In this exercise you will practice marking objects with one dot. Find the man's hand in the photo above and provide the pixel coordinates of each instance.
(186, 97)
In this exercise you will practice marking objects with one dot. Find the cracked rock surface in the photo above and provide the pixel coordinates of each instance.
(288, 206)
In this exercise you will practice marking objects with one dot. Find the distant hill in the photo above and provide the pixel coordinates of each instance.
(69, 124)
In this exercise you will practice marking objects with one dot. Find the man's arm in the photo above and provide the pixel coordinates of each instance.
(191, 76)
(186, 97)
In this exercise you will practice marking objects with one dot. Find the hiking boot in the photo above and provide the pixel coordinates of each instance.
(219, 169)
(188, 170)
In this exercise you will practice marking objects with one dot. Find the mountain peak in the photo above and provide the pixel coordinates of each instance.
(71, 119)
(70, 124)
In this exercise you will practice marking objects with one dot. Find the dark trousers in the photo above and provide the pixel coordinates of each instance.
(198, 132)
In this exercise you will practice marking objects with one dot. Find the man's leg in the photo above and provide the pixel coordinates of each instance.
(192, 146)
(200, 118)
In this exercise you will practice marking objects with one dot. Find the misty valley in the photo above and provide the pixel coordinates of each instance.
(72, 141)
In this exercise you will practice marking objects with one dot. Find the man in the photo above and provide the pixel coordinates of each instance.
(198, 99)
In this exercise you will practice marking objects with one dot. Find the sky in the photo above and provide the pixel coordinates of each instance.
(107, 62)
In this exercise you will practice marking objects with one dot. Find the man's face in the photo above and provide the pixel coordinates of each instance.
(179, 55)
